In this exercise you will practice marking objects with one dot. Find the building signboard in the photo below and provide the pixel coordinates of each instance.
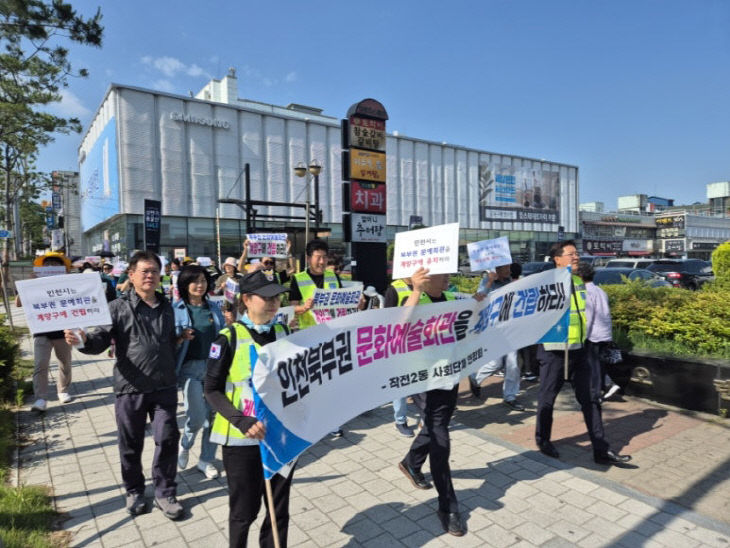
(674, 221)
(367, 197)
(368, 228)
(367, 133)
(367, 165)
(704, 246)
(673, 246)
(511, 193)
(602, 247)
(638, 246)
(152, 221)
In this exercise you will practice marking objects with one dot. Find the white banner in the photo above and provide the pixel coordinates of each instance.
(56, 239)
(328, 304)
(489, 254)
(435, 248)
(44, 271)
(63, 302)
(267, 245)
(311, 382)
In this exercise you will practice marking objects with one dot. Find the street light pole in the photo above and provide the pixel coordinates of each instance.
(300, 170)
(315, 168)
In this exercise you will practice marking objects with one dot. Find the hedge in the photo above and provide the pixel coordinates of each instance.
(699, 321)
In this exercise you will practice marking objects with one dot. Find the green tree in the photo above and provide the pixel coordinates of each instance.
(34, 68)
(721, 261)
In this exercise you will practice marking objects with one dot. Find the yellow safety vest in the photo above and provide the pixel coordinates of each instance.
(238, 384)
(577, 327)
(307, 289)
(404, 292)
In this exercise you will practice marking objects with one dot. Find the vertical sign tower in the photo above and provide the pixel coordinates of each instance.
(364, 192)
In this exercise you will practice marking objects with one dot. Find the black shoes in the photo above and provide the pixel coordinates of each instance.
(452, 523)
(611, 458)
(514, 404)
(547, 448)
(415, 476)
(476, 390)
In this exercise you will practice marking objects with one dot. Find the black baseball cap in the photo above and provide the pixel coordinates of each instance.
(261, 283)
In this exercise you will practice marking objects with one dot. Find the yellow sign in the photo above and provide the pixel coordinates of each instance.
(367, 166)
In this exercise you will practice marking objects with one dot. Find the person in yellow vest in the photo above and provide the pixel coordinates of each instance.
(584, 376)
(437, 406)
(235, 427)
(304, 284)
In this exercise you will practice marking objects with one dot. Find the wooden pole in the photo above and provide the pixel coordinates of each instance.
(6, 302)
(272, 514)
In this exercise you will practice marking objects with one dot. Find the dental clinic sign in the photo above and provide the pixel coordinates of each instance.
(200, 120)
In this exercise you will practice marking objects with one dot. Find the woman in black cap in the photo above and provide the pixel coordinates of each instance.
(236, 428)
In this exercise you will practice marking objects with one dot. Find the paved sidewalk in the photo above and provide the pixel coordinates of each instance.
(349, 492)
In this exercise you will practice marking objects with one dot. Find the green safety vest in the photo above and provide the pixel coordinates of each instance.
(238, 387)
(404, 292)
(307, 289)
(577, 327)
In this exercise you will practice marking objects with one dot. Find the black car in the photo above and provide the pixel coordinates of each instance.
(687, 273)
(534, 267)
(616, 275)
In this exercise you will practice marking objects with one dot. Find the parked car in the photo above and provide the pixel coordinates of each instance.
(629, 262)
(533, 267)
(619, 275)
(594, 260)
(687, 273)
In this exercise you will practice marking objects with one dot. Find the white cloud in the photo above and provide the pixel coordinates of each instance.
(171, 67)
(291, 77)
(70, 106)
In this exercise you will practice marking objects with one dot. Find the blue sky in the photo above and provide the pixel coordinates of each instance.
(633, 92)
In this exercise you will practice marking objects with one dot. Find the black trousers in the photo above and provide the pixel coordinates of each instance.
(433, 442)
(246, 489)
(585, 375)
(131, 411)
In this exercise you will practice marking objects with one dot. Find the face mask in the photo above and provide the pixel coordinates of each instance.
(265, 328)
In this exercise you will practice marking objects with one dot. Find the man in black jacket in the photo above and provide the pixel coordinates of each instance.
(143, 328)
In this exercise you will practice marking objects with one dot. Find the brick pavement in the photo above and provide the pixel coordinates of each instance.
(348, 492)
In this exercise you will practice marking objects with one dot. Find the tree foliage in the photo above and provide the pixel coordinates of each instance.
(34, 68)
(721, 261)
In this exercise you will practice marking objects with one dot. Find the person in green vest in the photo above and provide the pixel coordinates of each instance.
(586, 378)
(304, 284)
(437, 406)
(235, 427)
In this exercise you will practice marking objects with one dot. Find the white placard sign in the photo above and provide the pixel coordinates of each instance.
(44, 271)
(63, 302)
(267, 245)
(285, 315)
(204, 261)
(230, 290)
(56, 239)
(435, 248)
(328, 304)
(368, 227)
(489, 254)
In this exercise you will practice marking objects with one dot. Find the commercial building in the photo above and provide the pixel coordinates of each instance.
(189, 152)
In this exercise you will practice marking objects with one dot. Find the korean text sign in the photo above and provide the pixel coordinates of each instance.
(489, 254)
(63, 302)
(435, 248)
(267, 245)
(309, 383)
(328, 304)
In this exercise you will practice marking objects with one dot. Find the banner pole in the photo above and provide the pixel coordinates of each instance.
(566, 361)
(272, 514)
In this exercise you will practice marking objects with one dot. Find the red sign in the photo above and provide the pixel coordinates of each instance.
(367, 197)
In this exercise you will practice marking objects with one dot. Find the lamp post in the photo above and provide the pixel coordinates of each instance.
(300, 170)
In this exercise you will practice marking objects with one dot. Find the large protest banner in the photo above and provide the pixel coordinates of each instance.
(63, 302)
(311, 382)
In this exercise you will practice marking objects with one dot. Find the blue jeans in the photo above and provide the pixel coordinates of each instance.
(511, 385)
(400, 408)
(197, 411)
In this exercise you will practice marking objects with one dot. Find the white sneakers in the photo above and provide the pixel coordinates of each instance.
(210, 471)
(182, 458)
(39, 405)
(65, 397)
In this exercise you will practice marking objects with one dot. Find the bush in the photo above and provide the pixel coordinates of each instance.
(9, 355)
(687, 322)
(721, 261)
